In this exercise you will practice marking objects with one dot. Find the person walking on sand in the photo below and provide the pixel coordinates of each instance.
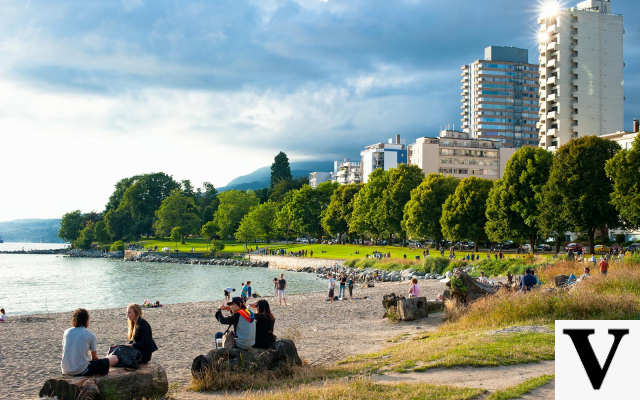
(332, 286)
(282, 285)
(414, 289)
(3, 316)
(79, 349)
(343, 286)
(275, 287)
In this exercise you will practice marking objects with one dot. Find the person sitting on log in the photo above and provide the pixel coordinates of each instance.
(140, 335)
(264, 325)
(414, 289)
(528, 281)
(483, 278)
(79, 349)
(243, 321)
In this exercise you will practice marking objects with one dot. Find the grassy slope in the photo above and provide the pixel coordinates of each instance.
(514, 392)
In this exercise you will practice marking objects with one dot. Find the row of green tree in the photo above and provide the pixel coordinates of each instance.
(588, 185)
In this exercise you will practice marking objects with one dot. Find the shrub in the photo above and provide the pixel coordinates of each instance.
(491, 267)
(620, 237)
(627, 244)
(117, 246)
(435, 265)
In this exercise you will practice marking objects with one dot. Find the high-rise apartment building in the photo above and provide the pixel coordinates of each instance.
(383, 155)
(500, 96)
(581, 73)
(346, 172)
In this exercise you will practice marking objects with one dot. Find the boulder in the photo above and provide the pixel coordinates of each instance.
(561, 280)
(148, 382)
(413, 308)
(283, 353)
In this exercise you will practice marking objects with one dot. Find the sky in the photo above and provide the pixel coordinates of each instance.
(95, 91)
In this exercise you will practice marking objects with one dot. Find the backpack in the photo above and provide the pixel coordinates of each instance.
(128, 357)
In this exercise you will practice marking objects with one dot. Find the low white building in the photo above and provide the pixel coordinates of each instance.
(346, 172)
(454, 153)
(383, 155)
(316, 178)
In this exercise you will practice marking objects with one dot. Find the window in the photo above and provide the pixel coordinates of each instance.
(446, 160)
(461, 161)
(461, 171)
(446, 152)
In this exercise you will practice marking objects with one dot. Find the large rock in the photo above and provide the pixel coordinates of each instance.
(561, 280)
(283, 353)
(148, 382)
(413, 308)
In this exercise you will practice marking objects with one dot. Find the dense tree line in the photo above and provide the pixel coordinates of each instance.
(588, 185)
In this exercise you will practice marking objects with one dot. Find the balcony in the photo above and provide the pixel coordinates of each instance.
(552, 29)
(551, 97)
(551, 115)
(553, 46)
(552, 63)
(543, 117)
(551, 132)
(551, 80)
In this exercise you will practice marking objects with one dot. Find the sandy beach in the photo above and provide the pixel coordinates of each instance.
(30, 351)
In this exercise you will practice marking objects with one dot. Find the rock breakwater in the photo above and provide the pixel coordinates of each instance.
(369, 274)
(199, 261)
(94, 254)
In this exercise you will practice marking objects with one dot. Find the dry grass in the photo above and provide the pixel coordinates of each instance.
(365, 389)
(292, 333)
(249, 379)
(515, 392)
(449, 349)
(616, 296)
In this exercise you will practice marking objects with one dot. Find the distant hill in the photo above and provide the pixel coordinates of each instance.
(261, 178)
(31, 230)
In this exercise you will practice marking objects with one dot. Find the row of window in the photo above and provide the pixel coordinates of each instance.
(469, 153)
(469, 161)
(494, 93)
(467, 171)
(497, 113)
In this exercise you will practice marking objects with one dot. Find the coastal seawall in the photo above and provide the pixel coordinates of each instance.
(295, 263)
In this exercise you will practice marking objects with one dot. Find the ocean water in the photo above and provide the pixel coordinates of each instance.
(32, 284)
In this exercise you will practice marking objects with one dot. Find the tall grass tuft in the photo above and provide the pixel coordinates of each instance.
(616, 296)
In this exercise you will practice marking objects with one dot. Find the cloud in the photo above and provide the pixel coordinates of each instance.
(132, 5)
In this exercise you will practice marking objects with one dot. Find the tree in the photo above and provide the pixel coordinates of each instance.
(283, 187)
(86, 237)
(176, 235)
(623, 170)
(578, 179)
(177, 211)
(402, 180)
(217, 246)
(336, 217)
(234, 205)
(284, 217)
(100, 232)
(264, 218)
(248, 230)
(187, 188)
(209, 231)
(70, 226)
(512, 207)
(365, 218)
(117, 223)
(423, 212)
(207, 202)
(280, 169)
(464, 212)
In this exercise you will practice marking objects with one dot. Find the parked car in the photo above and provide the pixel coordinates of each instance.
(634, 247)
(601, 249)
(467, 245)
(526, 247)
(304, 240)
(543, 247)
(574, 247)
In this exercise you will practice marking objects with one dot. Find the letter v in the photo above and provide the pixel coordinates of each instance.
(580, 338)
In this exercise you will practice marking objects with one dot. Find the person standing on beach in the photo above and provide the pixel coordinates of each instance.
(3, 316)
(227, 293)
(79, 349)
(243, 292)
(275, 287)
(343, 286)
(350, 284)
(332, 286)
(282, 285)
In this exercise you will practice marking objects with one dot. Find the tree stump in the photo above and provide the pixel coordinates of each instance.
(282, 353)
(390, 301)
(474, 290)
(435, 305)
(413, 308)
(149, 382)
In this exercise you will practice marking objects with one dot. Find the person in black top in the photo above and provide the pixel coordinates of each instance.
(140, 336)
(264, 325)
(343, 285)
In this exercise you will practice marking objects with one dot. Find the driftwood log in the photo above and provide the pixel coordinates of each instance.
(473, 292)
(282, 354)
(148, 382)
(390, 301)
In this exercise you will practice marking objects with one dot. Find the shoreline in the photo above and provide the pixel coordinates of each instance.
(324, 333)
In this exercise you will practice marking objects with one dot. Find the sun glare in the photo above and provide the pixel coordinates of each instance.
(551, 8)
(543, 37)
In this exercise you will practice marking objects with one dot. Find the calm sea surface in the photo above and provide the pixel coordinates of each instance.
(50, 283)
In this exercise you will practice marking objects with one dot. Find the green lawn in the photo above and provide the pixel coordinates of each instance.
(200, 245)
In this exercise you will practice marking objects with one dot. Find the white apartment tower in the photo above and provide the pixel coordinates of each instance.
(581, 73)
(500, 96)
